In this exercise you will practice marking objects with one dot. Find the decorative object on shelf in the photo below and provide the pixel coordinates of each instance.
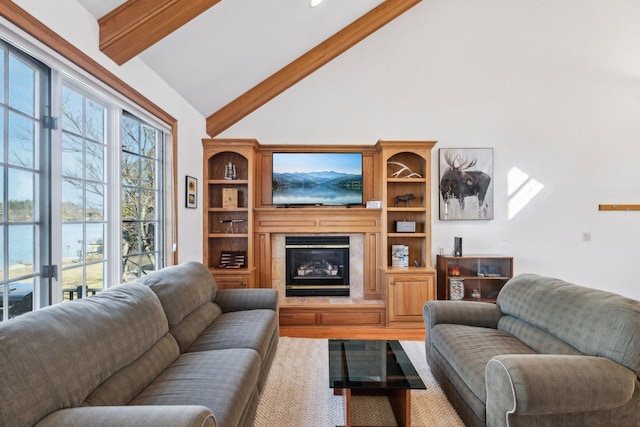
(191, 192)
(404, 169)
(454, 270)
(405, 226)
(230, 222)
(232, 259)
(475, 294)
(406, 198)
(456, 289)
(465, 183)
(457, 246)
(230, 171)
(230, 198)
(399, 256)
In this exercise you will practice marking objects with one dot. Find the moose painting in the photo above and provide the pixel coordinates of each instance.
(465, 183)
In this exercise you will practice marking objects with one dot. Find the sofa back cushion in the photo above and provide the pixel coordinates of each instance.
(594, 322)
(186, 292)
(181, 289)
(55, 357)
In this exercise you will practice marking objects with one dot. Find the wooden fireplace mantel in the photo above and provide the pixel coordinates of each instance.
(326, 219)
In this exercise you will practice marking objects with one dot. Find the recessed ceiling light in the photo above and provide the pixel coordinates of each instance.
(314, 3)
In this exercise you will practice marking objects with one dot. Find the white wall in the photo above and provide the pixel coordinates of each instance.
(76, 25)
(552, 86)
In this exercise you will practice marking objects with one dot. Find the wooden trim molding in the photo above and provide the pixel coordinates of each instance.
(619, 207)
(306, 64)
(26, 22)
(138, 24)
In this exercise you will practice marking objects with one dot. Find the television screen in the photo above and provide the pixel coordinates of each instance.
(317, 179)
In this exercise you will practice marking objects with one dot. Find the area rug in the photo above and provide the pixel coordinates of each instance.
(297, 392)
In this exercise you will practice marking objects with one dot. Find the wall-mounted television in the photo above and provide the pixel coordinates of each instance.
(316, 179)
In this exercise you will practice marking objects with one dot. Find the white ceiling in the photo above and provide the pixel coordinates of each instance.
(236, 44)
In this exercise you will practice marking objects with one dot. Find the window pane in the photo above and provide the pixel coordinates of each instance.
(130, 135)
(95, 202)
(2, 134)
(148, 202)
(72, 158)
(95, 121)
(148, 236)
(130, 169)
(148, 144)
(21, 249)
(21, 196)
(95, 161)
(95, 242)
(95, 278)
(71, 279)
(22, 86)
(1, 194)
(72, 111)
(72, 200)
(71, 244)
(2, 77)
(148, 175)
(20, 297)
(21, 140)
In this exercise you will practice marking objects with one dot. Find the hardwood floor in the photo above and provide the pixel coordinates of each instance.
(413, 334)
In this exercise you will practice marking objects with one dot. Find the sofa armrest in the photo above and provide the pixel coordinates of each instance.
(246, 299)
(139, 416)
(472, 313)
(536, 384)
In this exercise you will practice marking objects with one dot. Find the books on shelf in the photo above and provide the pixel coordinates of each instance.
(232, 259)
(399, 256)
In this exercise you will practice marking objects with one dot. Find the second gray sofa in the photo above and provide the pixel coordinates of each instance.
(168, 350)
(549, 353)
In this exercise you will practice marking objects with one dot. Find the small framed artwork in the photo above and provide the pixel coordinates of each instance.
(191, 191)
(466, 183)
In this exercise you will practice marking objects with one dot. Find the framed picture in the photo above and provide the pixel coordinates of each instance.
(191, 191)
(466, 183)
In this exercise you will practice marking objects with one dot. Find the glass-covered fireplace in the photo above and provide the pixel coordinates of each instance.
(317, 265)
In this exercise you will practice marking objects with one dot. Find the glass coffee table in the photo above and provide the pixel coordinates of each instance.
(373, 367)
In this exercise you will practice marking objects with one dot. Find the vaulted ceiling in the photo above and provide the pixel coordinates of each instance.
(228, 58)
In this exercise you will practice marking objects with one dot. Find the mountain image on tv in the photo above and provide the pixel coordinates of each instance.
(317, 178)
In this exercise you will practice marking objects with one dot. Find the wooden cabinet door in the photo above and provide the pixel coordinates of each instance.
(233, 281)
(407, 295)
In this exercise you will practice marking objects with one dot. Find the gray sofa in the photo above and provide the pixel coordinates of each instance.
(168, 350)
(549, 353)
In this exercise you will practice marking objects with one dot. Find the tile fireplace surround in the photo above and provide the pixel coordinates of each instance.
(356, 272)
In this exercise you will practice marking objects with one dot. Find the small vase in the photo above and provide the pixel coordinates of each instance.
(456, 289)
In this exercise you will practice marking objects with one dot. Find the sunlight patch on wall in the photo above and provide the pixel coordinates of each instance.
(521, 190)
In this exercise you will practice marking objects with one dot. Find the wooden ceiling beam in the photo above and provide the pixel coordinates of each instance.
(138, 24)
(306, 64)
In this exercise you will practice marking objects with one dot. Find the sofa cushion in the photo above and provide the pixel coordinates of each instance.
(181, 289)
(239, 329)
(594, 322)
(55, 357)
(468, 349)
(127, 383)
(222, 380)
(193, 324)
(535, 338)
